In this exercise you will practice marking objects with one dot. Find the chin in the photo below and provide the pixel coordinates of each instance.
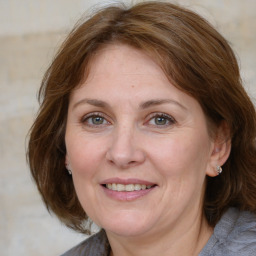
(128, 231)
(128, 227)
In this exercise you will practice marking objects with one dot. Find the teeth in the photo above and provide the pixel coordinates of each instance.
(120, 187)
(114, 187)
(144, 187)
(128, 187)
(137, 187)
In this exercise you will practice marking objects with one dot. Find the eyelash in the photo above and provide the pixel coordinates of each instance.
(85, 119)
(169, 119)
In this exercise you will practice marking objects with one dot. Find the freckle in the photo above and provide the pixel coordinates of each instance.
(132, 86)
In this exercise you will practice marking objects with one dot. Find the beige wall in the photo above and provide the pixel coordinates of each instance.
(30, 31)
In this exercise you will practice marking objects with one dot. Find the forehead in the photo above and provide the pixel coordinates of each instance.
(122, 58)
(119, 67)
(121, 74)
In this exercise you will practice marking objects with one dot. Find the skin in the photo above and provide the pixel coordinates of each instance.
(127, 121)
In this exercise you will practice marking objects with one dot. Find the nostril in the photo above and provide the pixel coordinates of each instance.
(124, 157)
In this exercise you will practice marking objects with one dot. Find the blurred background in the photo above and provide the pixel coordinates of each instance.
(30, 33)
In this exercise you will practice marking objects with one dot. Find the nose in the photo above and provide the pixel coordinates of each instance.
(126, 149)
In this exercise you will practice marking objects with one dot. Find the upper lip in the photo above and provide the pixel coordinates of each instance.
(127, 181)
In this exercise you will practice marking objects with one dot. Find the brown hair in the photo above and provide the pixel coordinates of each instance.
(194, 57)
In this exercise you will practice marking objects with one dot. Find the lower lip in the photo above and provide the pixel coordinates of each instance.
(126, 196)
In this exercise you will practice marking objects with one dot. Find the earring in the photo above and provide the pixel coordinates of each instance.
(218, 169)
(68, 169)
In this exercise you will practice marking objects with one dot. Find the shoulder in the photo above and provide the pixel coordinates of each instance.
(236, 233)
(96, 245)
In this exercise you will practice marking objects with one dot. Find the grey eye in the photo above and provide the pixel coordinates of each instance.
(97, 120)
(160, 120)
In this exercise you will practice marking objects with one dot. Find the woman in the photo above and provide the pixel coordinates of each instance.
(141, 110)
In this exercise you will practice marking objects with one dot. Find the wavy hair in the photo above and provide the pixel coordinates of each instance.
(195, 58)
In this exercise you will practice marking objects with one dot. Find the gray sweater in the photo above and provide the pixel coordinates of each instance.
(234, 235)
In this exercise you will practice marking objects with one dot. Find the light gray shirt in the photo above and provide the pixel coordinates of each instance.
(234, 235)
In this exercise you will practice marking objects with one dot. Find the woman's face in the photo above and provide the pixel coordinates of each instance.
(138, 147)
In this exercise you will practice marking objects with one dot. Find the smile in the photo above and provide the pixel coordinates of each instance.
(128, 187)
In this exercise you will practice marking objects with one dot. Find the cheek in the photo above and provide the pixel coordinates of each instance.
(85, 158)
(181, 155)
(84, 155)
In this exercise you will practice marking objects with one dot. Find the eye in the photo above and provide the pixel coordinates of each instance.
(94, 119)
(160, 119)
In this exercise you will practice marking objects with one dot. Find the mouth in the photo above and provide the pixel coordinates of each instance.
(127, 187)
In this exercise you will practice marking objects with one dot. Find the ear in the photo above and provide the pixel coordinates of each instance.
(220, 150)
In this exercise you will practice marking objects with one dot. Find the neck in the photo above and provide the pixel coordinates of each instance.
(169, 242)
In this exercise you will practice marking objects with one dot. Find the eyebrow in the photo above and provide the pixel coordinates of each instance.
(157, 102)
(93, 102)
(143, 105)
